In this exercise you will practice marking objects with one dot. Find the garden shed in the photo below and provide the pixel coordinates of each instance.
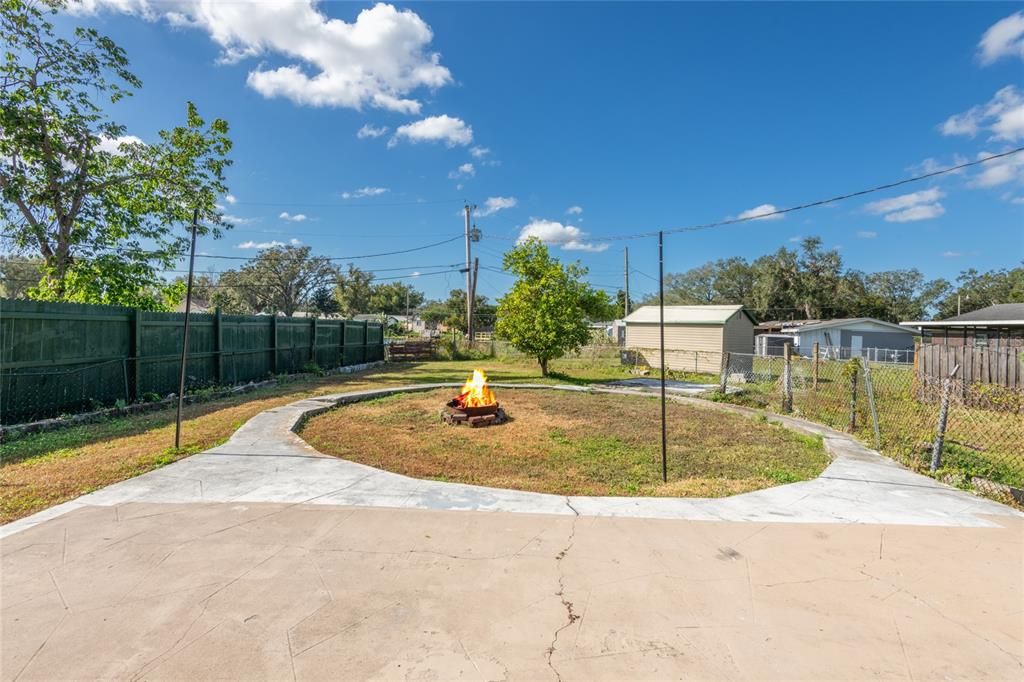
(695, 335)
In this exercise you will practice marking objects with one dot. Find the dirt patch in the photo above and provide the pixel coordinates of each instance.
(570, 444)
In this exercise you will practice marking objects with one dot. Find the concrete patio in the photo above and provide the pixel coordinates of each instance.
(263, 559)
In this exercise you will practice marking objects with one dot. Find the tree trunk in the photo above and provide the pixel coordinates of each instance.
(543, 366)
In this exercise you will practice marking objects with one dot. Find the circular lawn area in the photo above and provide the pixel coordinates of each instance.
(570, 443)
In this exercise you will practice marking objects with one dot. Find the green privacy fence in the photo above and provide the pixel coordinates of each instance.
(60, 358)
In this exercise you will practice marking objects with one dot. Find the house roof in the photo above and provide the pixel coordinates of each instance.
(687, 314)
(846, 321)
(998, 314)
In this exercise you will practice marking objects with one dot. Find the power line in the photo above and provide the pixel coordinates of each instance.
(142, 252)
(819, 202)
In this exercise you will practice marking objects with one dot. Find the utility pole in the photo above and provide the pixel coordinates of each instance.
(184, 341)
(626, 306)
(472, 298)
(469, 279)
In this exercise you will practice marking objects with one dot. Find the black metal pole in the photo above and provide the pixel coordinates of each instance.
(661, 329)
(184, 340)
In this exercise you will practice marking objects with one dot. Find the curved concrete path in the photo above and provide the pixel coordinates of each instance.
(265, 461)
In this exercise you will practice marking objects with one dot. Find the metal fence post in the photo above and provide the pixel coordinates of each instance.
(787, 378)
(940, 430)
(869, 387)
(814, 366)
(724, 379)
(852, 426)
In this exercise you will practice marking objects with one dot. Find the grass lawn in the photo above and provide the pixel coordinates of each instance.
(570, 444)
(979, 441)
(40, 470)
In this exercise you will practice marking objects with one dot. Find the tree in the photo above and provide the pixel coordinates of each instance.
(323, 301)
(18, 275)
(544, 314)
(353, 290)
(600, 307)
(104, 211)
(819, 273)
(394, 298)
(452, 311)
(982, 289)
(281, 279)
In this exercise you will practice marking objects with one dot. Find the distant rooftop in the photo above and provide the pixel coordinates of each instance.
(687, 314)
(1000, 313)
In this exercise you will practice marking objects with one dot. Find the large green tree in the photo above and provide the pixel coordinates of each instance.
(283, 279)
(811, 283)
(352, 290)
(394, 298)
(981, 289)
(105, 211)
(544, 315)
(451, 312)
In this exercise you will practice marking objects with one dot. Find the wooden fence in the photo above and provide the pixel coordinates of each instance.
(1002, 366)
(58, 358)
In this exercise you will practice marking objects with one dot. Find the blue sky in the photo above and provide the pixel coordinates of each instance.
(642, 116)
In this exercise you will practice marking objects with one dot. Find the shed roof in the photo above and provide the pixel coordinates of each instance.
(846, 321)
(687, 314)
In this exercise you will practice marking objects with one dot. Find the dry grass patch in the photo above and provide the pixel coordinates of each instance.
(570, 444)
(44, 469)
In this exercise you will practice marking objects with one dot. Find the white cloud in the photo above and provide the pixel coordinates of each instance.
(932, 165)
(951, 254)
(370, 131)
(376, 60)
(466, 170)
(297, 218)
(914, 213)
(494, 204)
(112, 145)
(574, 210)
(448, 129)
(236, 220)
(479, 152)
(363, 192)
(569, 237)
(925, 196)
(294, 242)
(1003, 116)
(230, 198)
(761, 211)
(866, 234)
(795, 239)
(999, 171)
(259, 245)
(414, 274)
(1005, 38)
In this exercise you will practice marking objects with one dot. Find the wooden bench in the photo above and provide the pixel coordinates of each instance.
(411, 349)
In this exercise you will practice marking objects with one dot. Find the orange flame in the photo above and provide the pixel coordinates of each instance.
(476, 392)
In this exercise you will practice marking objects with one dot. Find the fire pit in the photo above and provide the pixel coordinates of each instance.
(475, 405)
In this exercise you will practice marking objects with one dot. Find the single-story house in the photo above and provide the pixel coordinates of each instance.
(997, 326)
(857, 337)
(695, 335)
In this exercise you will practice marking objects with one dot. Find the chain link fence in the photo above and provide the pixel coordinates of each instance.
(967, 434)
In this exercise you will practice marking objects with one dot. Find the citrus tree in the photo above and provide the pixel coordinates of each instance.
(545, 313)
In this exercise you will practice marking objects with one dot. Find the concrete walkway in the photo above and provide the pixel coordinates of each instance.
(262, 559)
(265, 461)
